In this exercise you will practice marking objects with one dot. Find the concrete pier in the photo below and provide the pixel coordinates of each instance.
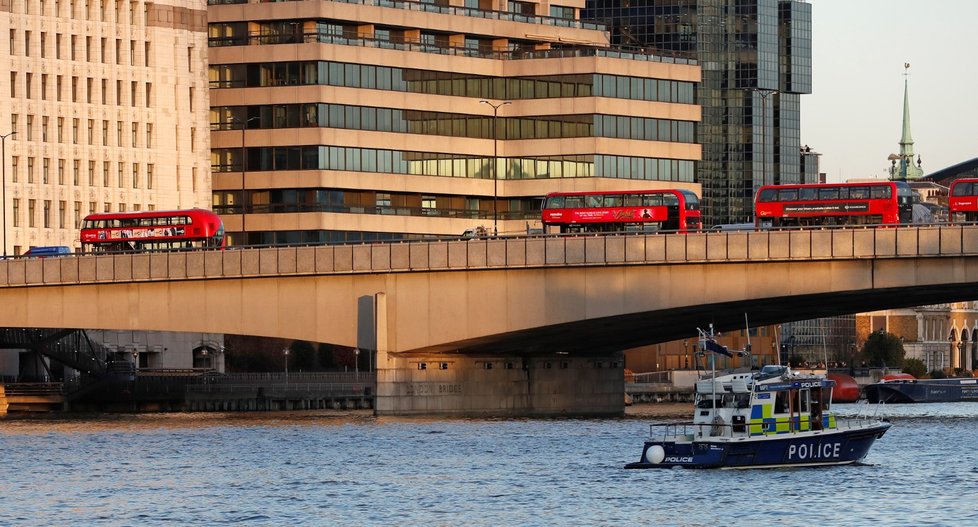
(509, 386)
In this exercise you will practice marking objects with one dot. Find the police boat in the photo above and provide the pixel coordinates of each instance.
(772, 417)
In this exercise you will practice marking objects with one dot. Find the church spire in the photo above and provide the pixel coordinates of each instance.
(902, 165)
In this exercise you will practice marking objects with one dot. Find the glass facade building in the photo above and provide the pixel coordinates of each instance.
(756, 63)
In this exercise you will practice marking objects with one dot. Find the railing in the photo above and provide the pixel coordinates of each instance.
(34, 389)
(377, 209)
(659, 377)
(429, 7)
(501, 252)
(689, 431)
(639, 54)
(264, 378)
(314, 388)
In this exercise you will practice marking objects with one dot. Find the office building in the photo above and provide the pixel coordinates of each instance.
(336, 121)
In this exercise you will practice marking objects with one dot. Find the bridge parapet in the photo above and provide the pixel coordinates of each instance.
(500, 253)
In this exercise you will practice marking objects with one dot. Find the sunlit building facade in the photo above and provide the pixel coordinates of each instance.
(338, 121)
(108, 103)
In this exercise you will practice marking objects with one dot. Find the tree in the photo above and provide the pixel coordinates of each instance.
(883, 349)
(914, 367)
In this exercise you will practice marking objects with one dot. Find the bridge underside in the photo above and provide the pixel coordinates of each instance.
(622, 332)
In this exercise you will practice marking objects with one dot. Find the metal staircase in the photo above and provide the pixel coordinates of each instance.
(70, 347)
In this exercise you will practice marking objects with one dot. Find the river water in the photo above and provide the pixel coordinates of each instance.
(355, 469)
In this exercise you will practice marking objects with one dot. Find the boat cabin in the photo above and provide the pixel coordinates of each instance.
(771, 401)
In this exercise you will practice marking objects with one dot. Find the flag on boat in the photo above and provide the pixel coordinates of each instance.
(715, 347)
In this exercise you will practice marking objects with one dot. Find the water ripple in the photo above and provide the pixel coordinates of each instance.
(354, 469)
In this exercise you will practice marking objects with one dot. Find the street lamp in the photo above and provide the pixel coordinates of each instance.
(764, 93)
(356, 360)
(244, 126)
(286, 353)
(495, 163)
(3, 187)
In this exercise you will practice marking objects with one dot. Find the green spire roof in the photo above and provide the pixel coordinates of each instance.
(903, 167)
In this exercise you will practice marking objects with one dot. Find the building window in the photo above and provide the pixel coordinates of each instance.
(75, 168)
(135, 134)
(62, 211)
(91, 174)
(135, 175)
(78, 209)
(14, 164)
(149, 175)
(45, 170)
(61, 172)
(121, 175)
(149, 135)
(31, 208)
(16, 211)
(30, 169)
(47, 214)
(105, 173)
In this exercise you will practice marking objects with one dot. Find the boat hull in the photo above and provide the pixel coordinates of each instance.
(827, 447)
(923, 391)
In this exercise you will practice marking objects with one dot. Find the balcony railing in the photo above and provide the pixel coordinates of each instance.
(378, 209)
(421, 47)
(428, 7)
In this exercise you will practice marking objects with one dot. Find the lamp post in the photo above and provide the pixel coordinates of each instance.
(3, 187)
(852, 359)
(356, 361)
(244, 126)
(495, 163)
(286, 353)
(764, 93)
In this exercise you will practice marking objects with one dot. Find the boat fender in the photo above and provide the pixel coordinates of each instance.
(655, 454)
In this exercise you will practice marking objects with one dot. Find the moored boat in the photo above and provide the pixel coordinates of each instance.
(773, 417)
(912, 390)
(846, 389)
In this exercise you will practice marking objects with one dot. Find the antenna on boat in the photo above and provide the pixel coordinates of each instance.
(747, 350)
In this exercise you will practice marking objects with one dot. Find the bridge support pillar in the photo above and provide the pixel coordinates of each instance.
(510, 386)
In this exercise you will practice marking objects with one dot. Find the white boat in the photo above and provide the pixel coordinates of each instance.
(772, 417)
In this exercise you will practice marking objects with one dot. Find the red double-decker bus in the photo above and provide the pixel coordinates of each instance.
(871, 203)
(158, 230)
(622, 211)
(962, 201)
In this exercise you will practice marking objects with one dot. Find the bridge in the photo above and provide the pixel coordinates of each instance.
(529, 325)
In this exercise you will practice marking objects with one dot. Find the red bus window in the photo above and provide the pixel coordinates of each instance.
(961, 189)
(828, 193)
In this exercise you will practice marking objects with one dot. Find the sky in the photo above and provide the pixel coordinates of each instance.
(854, 114)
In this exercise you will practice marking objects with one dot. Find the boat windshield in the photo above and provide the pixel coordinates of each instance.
(771, 370)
